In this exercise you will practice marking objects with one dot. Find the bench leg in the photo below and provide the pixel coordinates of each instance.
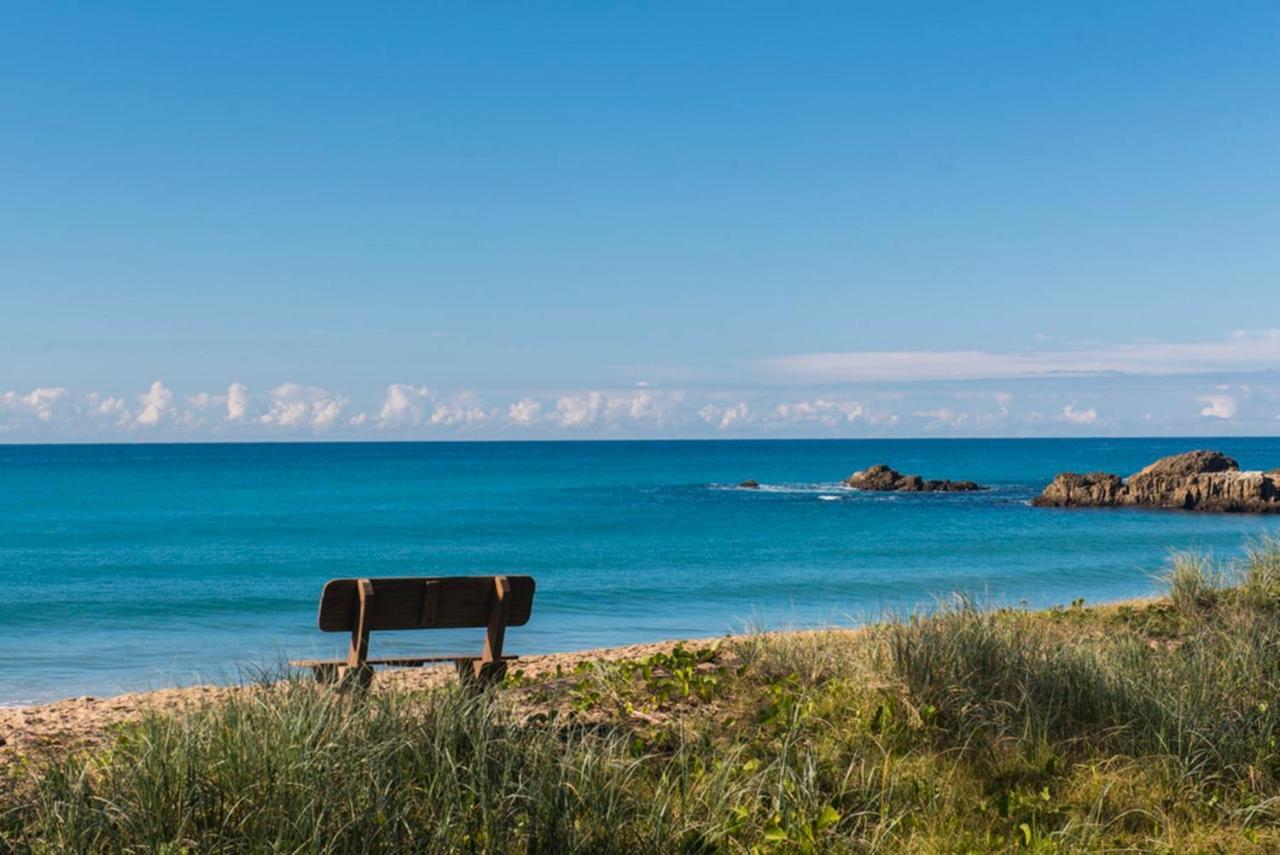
(343, 676)
(326, 673)
(359, 677)
(358, 672)
(490, 668)
(488, 673)
(476, 674)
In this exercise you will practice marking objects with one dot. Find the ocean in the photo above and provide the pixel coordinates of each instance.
(126, 567)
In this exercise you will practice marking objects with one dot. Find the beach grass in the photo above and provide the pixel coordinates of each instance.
(1151, 726)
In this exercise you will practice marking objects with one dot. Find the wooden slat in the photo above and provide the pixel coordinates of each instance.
(430, 604)
(398, 603)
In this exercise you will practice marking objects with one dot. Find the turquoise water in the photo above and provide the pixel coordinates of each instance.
(139, 566)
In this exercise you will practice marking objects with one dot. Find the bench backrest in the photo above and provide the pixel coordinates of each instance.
(439, 602)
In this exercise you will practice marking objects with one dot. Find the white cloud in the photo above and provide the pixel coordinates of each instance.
(1241, 351)
(1136, 407)
(293, 405)
(413, 406)
(822, 411)
(613, 409)
(524, 412)
(725, 417)
(326, 411)
(39, 403)
(237, 402)
(100, 407)
(463, 410)
(943, 417)
(578, 410)
(404, 406)
(1079, 417)
(643, 406)
(1219, 406)
(155, 403)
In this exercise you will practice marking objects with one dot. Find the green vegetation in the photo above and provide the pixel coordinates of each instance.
(1143, 727)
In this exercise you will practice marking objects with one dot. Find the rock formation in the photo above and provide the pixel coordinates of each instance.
(1195, 481)
(881, 478)
(750, 484)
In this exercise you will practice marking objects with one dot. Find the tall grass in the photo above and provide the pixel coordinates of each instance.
(291, 768)
(1194, 683)
(983, 676)
(1149, 726)
(1260, 581)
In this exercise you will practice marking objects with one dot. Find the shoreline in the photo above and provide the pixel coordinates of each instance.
(81, 722)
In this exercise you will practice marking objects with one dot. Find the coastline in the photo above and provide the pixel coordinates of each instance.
(671, 553)
(83, 722)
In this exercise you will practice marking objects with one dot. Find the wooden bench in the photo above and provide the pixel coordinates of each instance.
(364, 606)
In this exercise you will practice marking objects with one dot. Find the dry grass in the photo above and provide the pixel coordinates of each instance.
(1148, 727)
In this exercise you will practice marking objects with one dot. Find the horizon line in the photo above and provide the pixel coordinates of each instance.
(581, 440)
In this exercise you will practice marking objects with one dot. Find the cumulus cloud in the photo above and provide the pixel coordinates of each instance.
(106, 407)
(406, 406)
(966, 409)
(613, 409)
(578, 410)
(821, 411)
(644, 406)
(463, 410)
(1219, 406)
(524, 412)
(403, 406)
(326, 411)
(237, 402)
(292, 405)
(154, 405)
(725, 417)
(1079, 417)
(38, 403)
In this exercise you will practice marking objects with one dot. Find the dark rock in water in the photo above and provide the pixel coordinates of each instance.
(880, 478)
(906, 483)
(1195, 481)
(750, 484)
(952, 486)
(1094, 489)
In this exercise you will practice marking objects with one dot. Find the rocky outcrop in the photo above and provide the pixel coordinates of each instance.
(1092, 490)
(1195, 481)
(750, 484)
(880, 478)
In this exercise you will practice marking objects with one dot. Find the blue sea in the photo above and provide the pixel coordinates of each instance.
(126, 567)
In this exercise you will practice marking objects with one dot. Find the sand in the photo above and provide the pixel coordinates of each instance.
(83, 722)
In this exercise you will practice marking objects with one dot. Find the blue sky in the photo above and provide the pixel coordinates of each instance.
(272, 221)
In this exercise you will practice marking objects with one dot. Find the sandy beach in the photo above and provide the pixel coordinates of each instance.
(83, 722)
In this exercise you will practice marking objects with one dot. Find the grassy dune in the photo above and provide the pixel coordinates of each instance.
(1148, 727)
